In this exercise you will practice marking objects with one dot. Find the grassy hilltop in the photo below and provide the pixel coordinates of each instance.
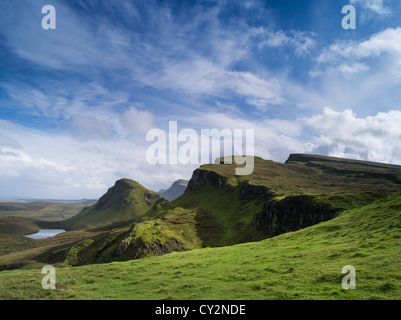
(123, 202)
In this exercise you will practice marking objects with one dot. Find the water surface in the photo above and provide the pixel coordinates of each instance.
(45, 233)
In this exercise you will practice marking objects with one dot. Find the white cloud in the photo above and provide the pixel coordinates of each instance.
(343, 134)
(300, 41)
(59, 166)
(379, 44)
(352, 69)
(36, 164)
(363, 75)
(201, 77)
(274, 139)
(347, 70)
(90, 128)
(137, 121)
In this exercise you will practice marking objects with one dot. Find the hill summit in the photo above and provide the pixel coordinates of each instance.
(122, 203)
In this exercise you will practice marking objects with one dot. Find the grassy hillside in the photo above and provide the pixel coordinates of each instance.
(123, 202)
(305, 264)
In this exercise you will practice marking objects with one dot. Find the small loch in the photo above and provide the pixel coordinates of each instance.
(45, 233)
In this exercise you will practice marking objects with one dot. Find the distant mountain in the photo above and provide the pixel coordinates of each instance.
(177, 189)
(123, 202)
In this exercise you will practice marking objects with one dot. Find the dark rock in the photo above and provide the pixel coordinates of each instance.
(200, 177)
(250, 191)
(291, 214)
(138, 248)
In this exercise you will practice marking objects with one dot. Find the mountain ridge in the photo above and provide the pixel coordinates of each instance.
(219, 208)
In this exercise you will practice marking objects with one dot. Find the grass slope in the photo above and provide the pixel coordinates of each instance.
(305, 264)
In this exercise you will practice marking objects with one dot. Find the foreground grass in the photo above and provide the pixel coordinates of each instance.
(305, 264)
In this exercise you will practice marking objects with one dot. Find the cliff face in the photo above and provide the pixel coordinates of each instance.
(200, 177)
(291, 214)
(251, 191)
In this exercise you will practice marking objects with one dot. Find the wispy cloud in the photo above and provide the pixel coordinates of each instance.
(378, 45)
(376, 6)
(300, 41)
(85, 94)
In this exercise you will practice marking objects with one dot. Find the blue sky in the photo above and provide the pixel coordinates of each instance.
(76, 102)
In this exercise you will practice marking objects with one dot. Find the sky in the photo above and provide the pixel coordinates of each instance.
(77, 102)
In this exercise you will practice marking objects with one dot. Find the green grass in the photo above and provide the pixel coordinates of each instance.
(305, 264)
(227, 216)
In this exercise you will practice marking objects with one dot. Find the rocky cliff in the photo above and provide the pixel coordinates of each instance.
(291, 214)
(200, 177)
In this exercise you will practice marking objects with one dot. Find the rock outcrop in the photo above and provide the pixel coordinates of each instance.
(200, 177)
(292, 213)
(138, 248)
(251, 191)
